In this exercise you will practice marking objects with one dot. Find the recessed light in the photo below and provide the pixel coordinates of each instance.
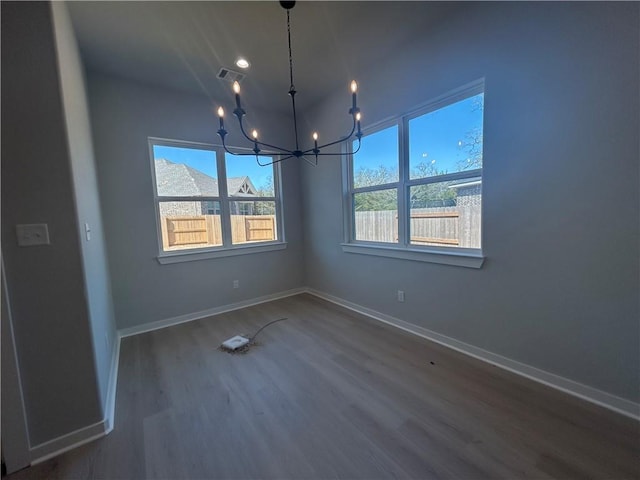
(242, 63)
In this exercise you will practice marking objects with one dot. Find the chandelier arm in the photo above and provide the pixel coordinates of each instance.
(320, 154)
(223, 134)
(236, 154)
(263, 164)
(359, 145)
(226, 149)
(244, 133)
(275, 161)
(348, 137)
(278, 160)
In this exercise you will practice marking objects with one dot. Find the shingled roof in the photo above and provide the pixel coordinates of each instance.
(180, 180)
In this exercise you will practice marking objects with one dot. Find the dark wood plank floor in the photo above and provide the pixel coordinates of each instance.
(332, 394)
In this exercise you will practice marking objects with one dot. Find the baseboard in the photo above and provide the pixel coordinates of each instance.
(75, 439)
(64, 443)
(585, 392)
(189, 317)
(110, 407)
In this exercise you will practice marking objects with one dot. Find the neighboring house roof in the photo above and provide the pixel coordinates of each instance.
(238, 186)
(180, 180)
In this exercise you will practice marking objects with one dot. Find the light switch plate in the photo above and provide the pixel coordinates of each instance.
(32, 234)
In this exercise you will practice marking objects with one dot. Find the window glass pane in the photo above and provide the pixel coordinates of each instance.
(376, 215)
(446, 213)
(245, 178)
(376, 163)
(187, 225)
(253, 222)
(447, 140)
(185, 172)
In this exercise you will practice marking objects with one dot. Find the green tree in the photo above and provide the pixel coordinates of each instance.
(265, 190)
(432, 194)
(377, 200)
(368, 177)
(422, 196)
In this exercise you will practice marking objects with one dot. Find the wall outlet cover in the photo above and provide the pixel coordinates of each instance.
(235, 343)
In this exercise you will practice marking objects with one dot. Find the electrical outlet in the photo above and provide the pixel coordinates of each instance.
(400, 295)
(236, 284)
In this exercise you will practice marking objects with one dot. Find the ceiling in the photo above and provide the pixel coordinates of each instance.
(183, 45)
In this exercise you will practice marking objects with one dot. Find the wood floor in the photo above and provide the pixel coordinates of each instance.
(332, 394)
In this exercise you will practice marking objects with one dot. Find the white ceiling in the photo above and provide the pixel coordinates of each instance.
(183, 45)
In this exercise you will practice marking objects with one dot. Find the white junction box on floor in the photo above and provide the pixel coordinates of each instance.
(235, 343)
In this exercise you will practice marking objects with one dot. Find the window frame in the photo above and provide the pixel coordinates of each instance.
(224, 200)
(404, 249)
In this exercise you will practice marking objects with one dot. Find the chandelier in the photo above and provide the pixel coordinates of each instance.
(297, 152)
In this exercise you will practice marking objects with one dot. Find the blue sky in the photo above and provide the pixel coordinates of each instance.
(433, 138)
(205, 161)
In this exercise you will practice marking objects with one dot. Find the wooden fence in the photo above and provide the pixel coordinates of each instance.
(442, 226)
(180, 232)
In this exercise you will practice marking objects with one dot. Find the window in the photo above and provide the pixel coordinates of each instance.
(210, 201)
(416, 183)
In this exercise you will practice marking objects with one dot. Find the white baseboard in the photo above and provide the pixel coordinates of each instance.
(75, 439)
(110, 407)
(64, 443)
(189, 317)
(585, 392)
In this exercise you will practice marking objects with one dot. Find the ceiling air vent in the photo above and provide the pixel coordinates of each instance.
(230, 76)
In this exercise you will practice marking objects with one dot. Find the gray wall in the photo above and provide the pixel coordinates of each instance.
(45, 284)
(85, 185)
(124, 114)
(559, 289)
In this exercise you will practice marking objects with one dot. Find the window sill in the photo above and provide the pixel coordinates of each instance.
(194, 255)
(466, 258)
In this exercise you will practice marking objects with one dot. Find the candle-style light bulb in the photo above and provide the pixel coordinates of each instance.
(315, 136)
(354, 89)
(315, 141)
(358, 117)
(255, 134)
(221, 115)
(236, 88)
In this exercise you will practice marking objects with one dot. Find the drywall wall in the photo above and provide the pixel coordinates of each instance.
(15, 440)
(124, 114)
(559, 288)
(45, 284)
(85, 185)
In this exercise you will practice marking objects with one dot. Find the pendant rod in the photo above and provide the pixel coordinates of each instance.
(292, 88)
